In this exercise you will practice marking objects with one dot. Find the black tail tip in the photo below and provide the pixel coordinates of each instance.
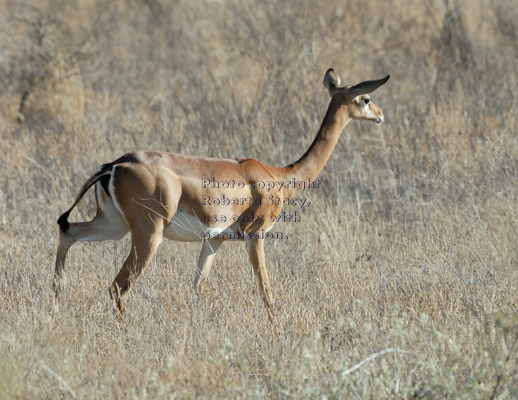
(63, 221)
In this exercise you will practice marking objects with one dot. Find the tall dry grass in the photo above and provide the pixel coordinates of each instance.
(400, 282)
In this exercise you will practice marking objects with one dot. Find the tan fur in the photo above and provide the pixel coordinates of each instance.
(154, 194)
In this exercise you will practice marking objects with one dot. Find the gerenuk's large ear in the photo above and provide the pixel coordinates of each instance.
(331, 81)
(365, 87)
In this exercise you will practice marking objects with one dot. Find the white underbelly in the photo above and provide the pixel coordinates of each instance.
(188, 228)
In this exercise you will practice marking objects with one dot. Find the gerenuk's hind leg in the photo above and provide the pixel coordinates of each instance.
(143, 245)
(98, 229)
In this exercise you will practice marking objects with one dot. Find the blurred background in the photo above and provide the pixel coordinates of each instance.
(85, 81)
(410, 239)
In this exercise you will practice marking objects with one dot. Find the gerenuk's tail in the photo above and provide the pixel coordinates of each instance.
(63, 219)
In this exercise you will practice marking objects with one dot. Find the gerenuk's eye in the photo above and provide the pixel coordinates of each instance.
(366, 101)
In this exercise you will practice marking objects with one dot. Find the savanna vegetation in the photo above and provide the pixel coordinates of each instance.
(400, 281)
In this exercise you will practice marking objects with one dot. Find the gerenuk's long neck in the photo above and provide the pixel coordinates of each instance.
(316, 157)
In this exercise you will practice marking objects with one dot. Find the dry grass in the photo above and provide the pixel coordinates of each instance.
(408, 254)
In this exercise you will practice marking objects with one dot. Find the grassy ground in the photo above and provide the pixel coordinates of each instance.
(401, 280)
